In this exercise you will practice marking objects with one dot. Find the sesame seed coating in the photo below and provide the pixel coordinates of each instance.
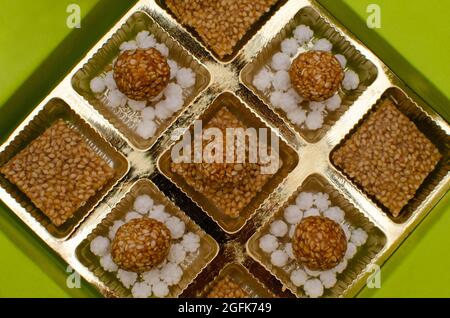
(227, 288)
(316, 75)
(221, 23)
(141, 74)
(230, 186)
(388, 156)
(58, 172)
(319, 243)
(140, 244)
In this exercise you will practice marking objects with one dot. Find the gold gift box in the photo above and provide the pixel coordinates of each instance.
(234, 77)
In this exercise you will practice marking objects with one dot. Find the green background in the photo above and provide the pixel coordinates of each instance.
(37, 50)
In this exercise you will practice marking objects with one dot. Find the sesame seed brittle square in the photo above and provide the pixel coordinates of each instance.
(230, 186)
(58, 172)
(388, 157)
(220, 24)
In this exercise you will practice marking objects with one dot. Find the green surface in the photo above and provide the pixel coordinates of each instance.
(31, 30)
(419, 30)
(38, 49)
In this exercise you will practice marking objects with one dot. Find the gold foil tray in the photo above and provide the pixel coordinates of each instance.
(102, 62)
(364, 256)
(306, 156)
(240, 44)
(208, 246)
(366, 70)
(432, 131)
(288, 159)
(241, 276)
(57, 109)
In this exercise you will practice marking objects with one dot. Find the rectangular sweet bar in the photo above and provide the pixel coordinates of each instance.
(58, 171)
(220, 24)
(388, 156)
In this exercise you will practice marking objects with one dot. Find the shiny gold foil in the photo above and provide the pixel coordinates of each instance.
(431, 130)
(207, 252)
(102, 61)
(288, 160)
(234, 77)
(57, 109)
(374, 245)
(241, 276)
(355, 61)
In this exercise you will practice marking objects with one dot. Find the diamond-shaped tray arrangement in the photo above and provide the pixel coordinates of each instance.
(234, 249)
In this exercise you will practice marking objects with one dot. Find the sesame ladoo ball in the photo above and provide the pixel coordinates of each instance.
(319, 243)
(316, 75)
(230, 186)
(140, 244)
(141, 74)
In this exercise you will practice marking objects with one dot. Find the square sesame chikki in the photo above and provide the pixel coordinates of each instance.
(388, 157)
(221, 24)
(230, 186)
(58, 171)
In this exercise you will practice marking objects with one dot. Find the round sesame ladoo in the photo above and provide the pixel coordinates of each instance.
(140, 244)
(141, 74)
(316, 75)
(319, 243)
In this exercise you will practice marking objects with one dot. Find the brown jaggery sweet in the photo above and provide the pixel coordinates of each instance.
(58, 172)
(388, 157)
(316, 75)
(140, 244)
(227, 288)
(141, 74)
(319, 243)
(230, 186)
(221, 23)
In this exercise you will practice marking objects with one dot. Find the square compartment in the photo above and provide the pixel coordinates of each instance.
(288, 157)
(123, 117)
(252, 30)
(241, 276)
(54, 110)
(207, 252)
(366, 70)
(431, 131)
(356, 265)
